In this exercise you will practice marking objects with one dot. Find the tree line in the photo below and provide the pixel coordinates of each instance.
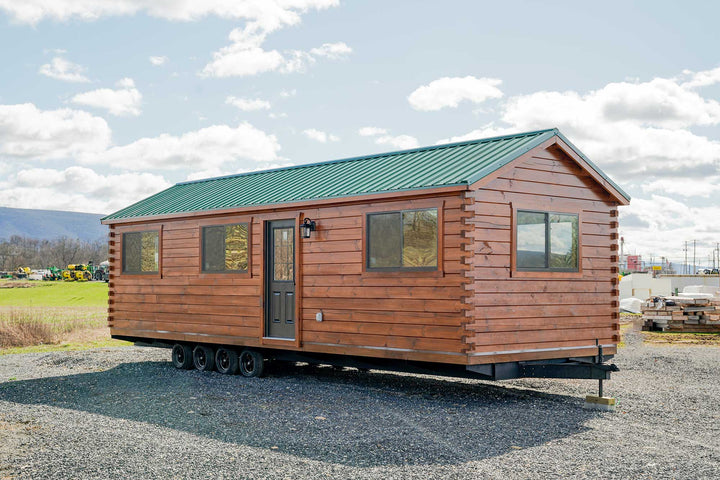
(35, 253)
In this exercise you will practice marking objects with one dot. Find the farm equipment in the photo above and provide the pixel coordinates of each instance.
(53, 274)
(79, 273)
(102, 272)
(21, 272)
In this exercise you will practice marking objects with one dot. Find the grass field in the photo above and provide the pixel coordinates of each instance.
(43, 316)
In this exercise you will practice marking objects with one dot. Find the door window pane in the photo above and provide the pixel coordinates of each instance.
(283, 254)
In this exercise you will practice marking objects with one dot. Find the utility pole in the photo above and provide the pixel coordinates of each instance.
(685, 265)
(694, 270)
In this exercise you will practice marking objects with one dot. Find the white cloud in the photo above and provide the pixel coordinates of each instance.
(684, 187)
(702, 79)
(371, 131)
(320, 136)
(126, 100)
(27, 132)
(246, 56)
(288, 93)
(267, 12)
(159, 60)
(78, 189)
(485, 132)
(660, 224)
(632, 130)
(64, 70)
(248, 105)
(450, 91)
(335, 51)
(215, 146)
(400, 142)
(275, 116)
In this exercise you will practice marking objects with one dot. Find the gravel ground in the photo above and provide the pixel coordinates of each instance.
(127, 413)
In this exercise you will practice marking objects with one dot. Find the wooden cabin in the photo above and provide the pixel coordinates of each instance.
(484, 255)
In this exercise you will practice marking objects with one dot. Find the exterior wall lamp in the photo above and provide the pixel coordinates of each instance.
(306, 227)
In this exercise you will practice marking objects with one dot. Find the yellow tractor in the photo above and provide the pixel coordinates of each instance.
(79, 273)
(21, 272)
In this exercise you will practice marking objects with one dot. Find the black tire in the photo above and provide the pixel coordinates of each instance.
(204, 358)
(182, 356)
(226, 361)
(252, 363)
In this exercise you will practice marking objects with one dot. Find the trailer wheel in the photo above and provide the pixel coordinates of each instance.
(226, 361)
(252, 363)
(182, 356)
(204, 358)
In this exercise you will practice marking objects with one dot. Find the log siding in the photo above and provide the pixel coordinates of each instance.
(518, 314)
(474, 308)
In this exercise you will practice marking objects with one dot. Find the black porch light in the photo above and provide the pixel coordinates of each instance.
(306, 227)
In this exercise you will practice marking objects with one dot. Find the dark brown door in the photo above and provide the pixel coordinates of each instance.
(280, 275)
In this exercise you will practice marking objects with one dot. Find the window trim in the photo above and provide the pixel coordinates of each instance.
(216, 222)
(413, 205)
(520, 272)
(202, 249)
(140, 229)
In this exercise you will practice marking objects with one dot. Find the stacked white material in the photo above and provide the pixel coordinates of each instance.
(631, 305)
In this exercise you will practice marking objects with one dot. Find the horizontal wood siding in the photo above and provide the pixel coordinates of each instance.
(413, 315)
(547, 316)
(395, 314)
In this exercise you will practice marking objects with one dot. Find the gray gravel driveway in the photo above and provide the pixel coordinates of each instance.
(127, 413)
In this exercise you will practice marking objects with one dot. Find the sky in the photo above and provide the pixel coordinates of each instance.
(105, 102)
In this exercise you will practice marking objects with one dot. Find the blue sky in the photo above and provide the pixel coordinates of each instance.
(103, 103)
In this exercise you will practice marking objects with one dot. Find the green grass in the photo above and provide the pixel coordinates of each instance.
(56, 294)
(53, 316)
(66, 346)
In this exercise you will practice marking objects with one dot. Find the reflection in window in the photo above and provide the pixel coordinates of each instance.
(403, 240)
(283, 254)
(140, 252)
(225, 248)
(547, 241)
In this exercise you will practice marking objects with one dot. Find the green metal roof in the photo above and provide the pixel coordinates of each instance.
(438, 166)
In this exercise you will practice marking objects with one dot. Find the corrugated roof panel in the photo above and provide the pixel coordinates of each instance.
(436, 166)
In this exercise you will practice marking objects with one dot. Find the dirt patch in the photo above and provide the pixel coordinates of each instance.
(88, 335)
(663, 338)
(19, 284)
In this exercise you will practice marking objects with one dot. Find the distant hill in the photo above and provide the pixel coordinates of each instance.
(50, 224)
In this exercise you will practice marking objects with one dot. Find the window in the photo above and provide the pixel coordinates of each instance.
(141, 252)
(406, 240)
(547, 241)
(225, 248)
